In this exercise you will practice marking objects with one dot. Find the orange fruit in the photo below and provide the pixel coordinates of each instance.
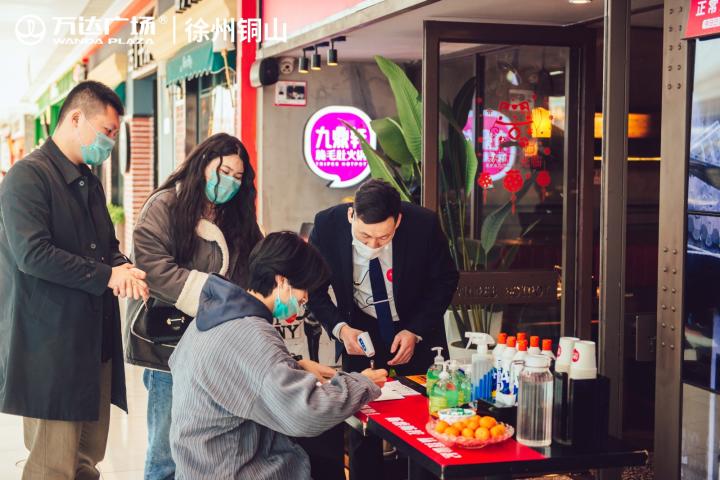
(473, 424)
(441, 426)
(458, 426)
(475, 417)
(497, 430)
(488, 422)
(482, 434)
(452, 432)
(467, 433)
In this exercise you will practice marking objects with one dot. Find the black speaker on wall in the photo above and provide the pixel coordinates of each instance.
(264, 71)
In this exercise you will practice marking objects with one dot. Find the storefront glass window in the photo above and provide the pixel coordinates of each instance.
(501, 166)
(205, 110)
(192, 93)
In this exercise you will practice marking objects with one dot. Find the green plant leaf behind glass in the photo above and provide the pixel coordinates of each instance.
(494, 221)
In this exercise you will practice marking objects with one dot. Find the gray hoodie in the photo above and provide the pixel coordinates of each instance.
(238, 394)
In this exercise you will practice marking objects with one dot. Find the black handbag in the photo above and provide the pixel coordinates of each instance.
(160, 323)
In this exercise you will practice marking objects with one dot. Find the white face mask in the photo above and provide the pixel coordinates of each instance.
(366, 252)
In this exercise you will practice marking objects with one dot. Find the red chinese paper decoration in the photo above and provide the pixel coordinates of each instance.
(513, 182)
(484, 182)
(543, 180)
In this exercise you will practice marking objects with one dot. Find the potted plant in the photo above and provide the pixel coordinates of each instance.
(398, 161)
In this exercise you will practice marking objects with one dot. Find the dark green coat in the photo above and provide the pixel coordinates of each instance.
(55, 264)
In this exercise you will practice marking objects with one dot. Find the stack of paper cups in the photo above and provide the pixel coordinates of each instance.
(565, 353)
(584, 364)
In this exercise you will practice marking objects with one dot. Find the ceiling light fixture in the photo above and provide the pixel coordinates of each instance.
(332, 59)
(316, 62)
(579, 2)
(304, 62)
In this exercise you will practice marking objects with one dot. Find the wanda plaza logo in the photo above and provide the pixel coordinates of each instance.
(31, 30)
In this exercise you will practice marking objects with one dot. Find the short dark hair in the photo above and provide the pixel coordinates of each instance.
(91, 97)
(376, 201)
(286, 254)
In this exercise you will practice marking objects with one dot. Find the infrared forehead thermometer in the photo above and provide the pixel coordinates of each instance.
(367, 346)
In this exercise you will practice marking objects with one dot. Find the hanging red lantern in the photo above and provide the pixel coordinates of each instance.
(543, 180)
(484, 181)
(513, 182)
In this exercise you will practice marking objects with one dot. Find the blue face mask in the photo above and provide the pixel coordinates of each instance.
(98, 151)
(223, 189)
(283, 311)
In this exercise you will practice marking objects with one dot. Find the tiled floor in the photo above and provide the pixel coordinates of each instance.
(127, 440)
(126, 443)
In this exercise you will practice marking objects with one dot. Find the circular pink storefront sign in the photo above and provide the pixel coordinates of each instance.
(332, 151)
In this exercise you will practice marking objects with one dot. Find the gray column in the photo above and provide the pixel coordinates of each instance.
(673, 176)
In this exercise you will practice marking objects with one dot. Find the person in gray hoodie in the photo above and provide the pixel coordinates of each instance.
(238, 393)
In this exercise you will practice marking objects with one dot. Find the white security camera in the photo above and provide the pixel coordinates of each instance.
(287, 65)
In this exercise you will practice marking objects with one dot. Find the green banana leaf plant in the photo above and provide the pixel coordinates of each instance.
(398, 161)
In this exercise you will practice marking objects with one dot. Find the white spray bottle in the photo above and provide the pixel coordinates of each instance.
(504, 394)
(483, 366)
(497, 358)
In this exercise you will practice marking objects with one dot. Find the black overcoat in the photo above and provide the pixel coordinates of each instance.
(55, 264)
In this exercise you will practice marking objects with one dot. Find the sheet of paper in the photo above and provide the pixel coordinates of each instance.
(403, 390)
(395, 391)
(388, 394)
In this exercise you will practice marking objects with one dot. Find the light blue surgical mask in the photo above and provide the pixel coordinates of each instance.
(285, 310)
(98, 151)
(221, 189)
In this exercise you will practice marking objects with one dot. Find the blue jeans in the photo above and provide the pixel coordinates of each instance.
(159, 464)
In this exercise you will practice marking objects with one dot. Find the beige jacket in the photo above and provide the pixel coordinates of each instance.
(169, 282)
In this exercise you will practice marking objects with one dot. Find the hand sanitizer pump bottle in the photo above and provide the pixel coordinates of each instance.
(433, 372)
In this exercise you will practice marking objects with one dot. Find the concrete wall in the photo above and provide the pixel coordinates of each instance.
(290, 193)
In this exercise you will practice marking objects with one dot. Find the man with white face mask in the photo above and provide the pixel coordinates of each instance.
(393, 277)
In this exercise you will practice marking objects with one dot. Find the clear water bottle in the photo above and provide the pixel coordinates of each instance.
(535, 403)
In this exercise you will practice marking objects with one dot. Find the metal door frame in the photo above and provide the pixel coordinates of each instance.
(577, 251)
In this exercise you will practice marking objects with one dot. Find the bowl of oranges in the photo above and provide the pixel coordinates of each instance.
(472, 432)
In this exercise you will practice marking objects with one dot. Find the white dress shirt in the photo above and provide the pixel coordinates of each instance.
(362, 289)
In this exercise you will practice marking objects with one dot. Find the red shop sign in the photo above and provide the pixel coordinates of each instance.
(703, 18)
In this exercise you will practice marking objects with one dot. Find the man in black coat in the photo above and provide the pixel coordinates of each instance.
(61, 362)
(393, 277)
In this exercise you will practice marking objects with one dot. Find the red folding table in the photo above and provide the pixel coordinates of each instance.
(402, 423)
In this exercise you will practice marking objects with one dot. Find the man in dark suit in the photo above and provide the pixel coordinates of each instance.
(393, 277)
